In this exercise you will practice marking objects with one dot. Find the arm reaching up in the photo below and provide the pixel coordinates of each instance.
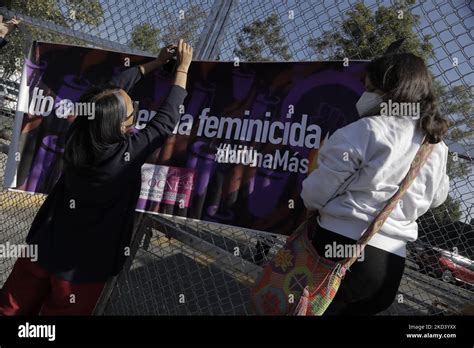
(6, 28)
(185, 56)
(144, 142)
(166, 53)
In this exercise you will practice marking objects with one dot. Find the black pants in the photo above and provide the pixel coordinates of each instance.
(371, 285)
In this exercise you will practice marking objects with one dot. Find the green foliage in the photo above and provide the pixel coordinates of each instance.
(149, 38)
(145, 37)
(262, 41)
(62, 12)
(457, 103)
(365, 34)
(89, 12)
(447, 212)
(186, 28)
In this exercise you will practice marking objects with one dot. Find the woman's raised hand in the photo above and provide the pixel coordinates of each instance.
(166, 53)
(184, 55)
(8, 26)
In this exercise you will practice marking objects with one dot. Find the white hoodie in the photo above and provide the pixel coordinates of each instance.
(360, 168)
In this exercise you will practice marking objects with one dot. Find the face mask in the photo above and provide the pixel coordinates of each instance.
(368, 101)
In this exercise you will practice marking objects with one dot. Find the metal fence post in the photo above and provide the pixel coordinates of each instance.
(207, 47)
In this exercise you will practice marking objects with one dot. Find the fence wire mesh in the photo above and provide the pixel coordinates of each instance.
(190, 267)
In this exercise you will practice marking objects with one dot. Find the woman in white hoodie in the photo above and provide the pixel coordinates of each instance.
(360, 168)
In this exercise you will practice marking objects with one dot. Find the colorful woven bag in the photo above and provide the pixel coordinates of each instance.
(298, 281)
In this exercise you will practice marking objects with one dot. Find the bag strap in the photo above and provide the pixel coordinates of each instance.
(415, 166)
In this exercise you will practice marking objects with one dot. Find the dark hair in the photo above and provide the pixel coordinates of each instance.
(404, 77)
(90, 137)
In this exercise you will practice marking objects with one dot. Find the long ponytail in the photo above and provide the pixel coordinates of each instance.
(431, 121)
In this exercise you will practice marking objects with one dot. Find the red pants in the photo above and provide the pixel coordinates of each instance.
(31, 290)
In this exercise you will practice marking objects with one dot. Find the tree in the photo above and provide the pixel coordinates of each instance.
(262, 40)
(447, 212)
(145, 37)
(186, 26)
(62, 12)
(364, 34)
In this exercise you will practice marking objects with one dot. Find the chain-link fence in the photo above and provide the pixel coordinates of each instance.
(190, 267)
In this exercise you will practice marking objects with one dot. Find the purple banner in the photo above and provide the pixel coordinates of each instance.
(247, 137)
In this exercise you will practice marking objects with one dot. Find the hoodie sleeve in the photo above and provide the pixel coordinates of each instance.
(144, 142)
(442, 191)
(126, 79)
(337, 161)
